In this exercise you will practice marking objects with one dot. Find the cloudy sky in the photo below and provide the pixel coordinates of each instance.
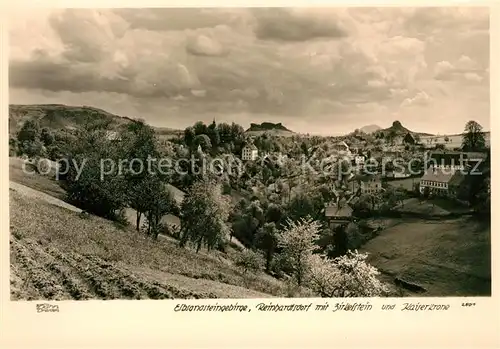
(322, 71)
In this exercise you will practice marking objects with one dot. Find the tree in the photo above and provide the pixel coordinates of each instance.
(204, 213)
(304, 149)
(473, 137)
(98, 190)
(29, 132)
(189, 136)
(46, 137)
(158, 203)
(298, 243)
(249, 260)
(341, 240)
(29, 140)
(200, 128)
(33, 149)
(204, 141)
(145, 187)
(225, 135)
(213, 134)
(346, 276)
(426, 192)
(247, 223)
(267, 240)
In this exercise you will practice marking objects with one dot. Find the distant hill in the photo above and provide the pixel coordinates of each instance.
(59, 116)
(399, 130)
(269, 127)
(370, 128)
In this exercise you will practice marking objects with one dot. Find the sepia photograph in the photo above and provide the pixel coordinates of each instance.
(249, 153)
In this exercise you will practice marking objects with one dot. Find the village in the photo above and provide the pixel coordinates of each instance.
(403, 163)
(251, 153)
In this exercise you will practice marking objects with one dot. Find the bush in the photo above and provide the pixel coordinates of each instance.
(250, 260)
(346, 276)
(281, 266)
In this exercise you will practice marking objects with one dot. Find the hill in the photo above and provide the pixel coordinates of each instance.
(398, 129)
(269, 127)
(370, 128)
(446, 257)
(60, 116)
(76, 257)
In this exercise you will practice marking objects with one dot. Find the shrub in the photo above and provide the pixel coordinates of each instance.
(281, 266)
(250, 260)
(346, 276)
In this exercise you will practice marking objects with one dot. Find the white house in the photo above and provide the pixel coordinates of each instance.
(359, 162)
(249, 152)
(441, 181)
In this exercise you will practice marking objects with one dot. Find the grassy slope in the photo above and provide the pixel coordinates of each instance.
(55, 254)
(449, 257)
(41, 183)
(70, 116)
(92, 258)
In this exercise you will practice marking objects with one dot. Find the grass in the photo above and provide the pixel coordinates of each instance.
(447, 258)
(44, 184)
(405, 183)
(434, 206)
(44, 237)
(100, 260)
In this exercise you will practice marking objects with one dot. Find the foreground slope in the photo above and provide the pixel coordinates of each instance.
(56, 255)
(449, 257)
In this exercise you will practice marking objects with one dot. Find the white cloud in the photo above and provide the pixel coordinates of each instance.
(420, 99)
(239, 62)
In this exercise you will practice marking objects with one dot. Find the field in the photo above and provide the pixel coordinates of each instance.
(435, 207)
(56, 254)
(405, 183)
(33, 180)
(449, 257)
(454, 141)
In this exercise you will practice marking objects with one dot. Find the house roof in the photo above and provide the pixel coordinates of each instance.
(456, 180)
(334, 210)
(251, 146)
(438, 175)
(369, 178)
(475, 155)
(409, 138)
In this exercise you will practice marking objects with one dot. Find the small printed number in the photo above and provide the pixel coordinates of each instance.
(468, 304)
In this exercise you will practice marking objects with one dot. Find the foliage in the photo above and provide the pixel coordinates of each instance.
(146, 191)
(29, 132)
(104, 195)
(204, 213)
(189, 136)
(247, 222)
(267, 240)
(158, 202)
(298, 243)
(473, 137)
(249, 260)
(29, 142)
(32, 149)
(203, 141)
(346, 276)
(47, 137)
